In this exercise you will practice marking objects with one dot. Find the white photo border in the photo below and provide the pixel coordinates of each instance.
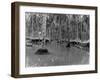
(53, 69)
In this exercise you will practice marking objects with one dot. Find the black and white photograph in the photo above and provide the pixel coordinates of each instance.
(56, 39)
(52, 39)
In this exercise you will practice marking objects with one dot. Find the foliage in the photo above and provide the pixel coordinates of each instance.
(58, 26)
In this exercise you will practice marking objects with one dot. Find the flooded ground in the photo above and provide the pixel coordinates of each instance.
(57, 55)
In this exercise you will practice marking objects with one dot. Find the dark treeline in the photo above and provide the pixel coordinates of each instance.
(57, 26)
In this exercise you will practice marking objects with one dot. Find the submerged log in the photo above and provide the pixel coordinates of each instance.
(42, 51)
